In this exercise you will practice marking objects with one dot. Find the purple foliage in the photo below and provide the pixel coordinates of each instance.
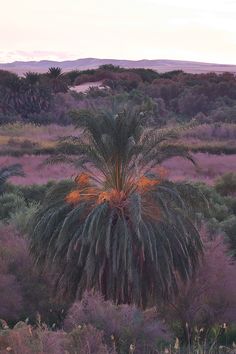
(11, 302)
(209, 298)
(12, 250)
(25, 339)
(23, 291)
(221, 131)
(125, 324)
(88, 340)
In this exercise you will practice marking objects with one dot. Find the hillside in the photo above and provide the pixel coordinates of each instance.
(20, 67)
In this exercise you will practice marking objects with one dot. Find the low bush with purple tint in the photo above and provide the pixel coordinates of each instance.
(122, 325)
(217, 131)
(210, 297)
(23, 292)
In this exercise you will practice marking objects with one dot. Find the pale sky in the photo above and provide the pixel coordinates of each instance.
(201, 30)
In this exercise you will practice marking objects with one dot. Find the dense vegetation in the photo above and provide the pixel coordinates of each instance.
(205, 303)
(117, 258)
(169, 97)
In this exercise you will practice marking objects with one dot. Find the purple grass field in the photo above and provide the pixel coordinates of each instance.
(209, 167)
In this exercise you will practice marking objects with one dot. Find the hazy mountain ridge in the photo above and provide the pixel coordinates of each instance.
(161, 65)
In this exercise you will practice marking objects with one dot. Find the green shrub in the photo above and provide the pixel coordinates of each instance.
(231, 202)
(228, 337)
(31, 193)
(226, 184)
(10, 203)
(21, 217)
(221, 216)
(229, 227)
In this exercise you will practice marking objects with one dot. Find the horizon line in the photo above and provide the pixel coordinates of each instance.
(114, 59)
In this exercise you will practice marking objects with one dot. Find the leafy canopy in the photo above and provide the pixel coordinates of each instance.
(120, 227)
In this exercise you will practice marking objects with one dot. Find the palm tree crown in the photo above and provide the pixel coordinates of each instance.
(57, 79)
(120, 227)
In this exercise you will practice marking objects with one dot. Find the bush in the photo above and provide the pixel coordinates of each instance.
(9, 118)
(23, 292)
(229, 227)
(231, 202)
(41, 118)
(34, 193)
(209, 298)
(124, 325)
(226, 185)
(12, 249)
(10, 203)
(24, 339)
(87, 340)
(22, 217)
(11, 301)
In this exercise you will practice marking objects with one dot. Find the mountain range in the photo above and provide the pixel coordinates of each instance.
(160, 65)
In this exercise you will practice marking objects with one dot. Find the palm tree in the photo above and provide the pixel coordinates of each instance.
(36, 94)
(57, 79)
(120, 227)
(10, 171)
(11, 94)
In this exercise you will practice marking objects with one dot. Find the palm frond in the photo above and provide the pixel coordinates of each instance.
(10, 171)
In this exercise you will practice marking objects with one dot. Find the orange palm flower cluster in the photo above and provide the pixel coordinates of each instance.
(103, 197)
(144, 183)
(114, 196)
(73, 197)
(82, 179)
(77, 195)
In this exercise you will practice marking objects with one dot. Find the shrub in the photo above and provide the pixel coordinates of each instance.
(28, 144)
(122, 324)
(226, 184)
(209, 298)
(12, 249)
(24, 339)
(191, 103)
(33, 193)
(22, 217)
(23, 292)
(10, 203)
(231, 202)
(219, 131)
(87, 340)
(41, 118)
(11, 301)
(9, 118)
(229, 227)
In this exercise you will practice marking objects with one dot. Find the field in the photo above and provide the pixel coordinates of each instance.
(23, 138)
(209, 168)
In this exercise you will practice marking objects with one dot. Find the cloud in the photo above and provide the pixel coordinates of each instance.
(34, 55)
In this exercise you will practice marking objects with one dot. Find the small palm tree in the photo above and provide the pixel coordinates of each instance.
(10, 171)
(57, 79)
(120, 227)
(32, 78)
(11, 95)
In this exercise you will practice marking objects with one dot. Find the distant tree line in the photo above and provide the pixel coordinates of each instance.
(171, 96)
